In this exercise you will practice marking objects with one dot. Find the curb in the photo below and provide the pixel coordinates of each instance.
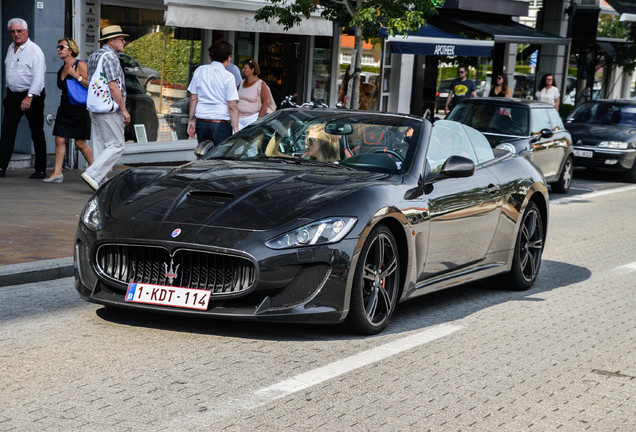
(36, 271)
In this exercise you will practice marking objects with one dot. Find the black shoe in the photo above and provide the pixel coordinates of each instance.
(38, 175)
(3, 173)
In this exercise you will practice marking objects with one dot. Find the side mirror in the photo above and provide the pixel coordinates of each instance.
(203, 147)
(546, 133)
(458, 166)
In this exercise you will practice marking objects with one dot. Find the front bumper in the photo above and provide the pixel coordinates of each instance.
(293, 285)
(607, 159)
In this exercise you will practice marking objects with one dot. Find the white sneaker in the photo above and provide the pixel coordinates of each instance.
(90, 180)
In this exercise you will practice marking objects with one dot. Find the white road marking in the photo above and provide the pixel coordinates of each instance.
(568, 199)
(627, 268)
(316, 376)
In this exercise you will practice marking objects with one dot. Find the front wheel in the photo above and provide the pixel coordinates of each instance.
(630, 175)
(565, 179)
(528, 251)
(376, 284)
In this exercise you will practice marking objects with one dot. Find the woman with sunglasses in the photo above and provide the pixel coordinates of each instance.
(500, 87)
(71, 121)
(254, 95)
(320, 145)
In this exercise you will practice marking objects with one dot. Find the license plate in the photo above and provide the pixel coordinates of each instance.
(184, 120)
(168, 296)
(583, 153)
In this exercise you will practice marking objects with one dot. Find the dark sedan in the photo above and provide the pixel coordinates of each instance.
(318, 216)
(142, 110)
(529, 128)
(604, 136)
(177, 117)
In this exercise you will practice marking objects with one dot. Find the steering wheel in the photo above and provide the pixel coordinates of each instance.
(389, 151)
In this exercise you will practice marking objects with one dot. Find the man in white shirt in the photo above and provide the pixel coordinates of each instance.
(214, 98)
(24, 67)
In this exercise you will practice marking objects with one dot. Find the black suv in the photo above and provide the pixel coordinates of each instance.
(529, 128)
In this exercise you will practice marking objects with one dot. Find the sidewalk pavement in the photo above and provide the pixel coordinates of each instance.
(37, 225)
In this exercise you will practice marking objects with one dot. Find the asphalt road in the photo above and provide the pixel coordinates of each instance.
(559, 357)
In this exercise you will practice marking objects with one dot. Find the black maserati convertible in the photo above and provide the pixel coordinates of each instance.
(320, 216)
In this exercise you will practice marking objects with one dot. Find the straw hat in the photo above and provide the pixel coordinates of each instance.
(111, 32)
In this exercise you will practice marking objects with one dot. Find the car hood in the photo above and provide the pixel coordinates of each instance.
(595, 133)
(233, 194)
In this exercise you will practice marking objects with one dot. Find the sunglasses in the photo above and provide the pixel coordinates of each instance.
(500, 78)
(61, 47)
(16, 31)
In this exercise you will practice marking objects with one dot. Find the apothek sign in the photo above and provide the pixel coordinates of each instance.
(444, 50)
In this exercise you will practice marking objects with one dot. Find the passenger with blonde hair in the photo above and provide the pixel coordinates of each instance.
(322, 146)
(71, 121)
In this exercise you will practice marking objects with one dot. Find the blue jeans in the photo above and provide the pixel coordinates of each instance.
(217, 132)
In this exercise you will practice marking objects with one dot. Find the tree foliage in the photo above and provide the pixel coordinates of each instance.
(161, 51)
(367, 17)
(625, 54)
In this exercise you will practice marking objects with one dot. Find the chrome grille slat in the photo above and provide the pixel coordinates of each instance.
(221, 274)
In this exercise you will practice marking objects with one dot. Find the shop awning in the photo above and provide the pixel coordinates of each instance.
(429, 40)
(505, 30)
(236, 16)
(627, 9)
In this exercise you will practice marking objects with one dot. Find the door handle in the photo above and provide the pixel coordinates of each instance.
(493, 189)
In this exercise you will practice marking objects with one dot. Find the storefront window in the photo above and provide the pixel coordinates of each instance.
(157, 67)
(321, 68)
(369, 77)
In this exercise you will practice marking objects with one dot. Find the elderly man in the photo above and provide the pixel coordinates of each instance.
(25, 68)
(107, 128)
(214, 98)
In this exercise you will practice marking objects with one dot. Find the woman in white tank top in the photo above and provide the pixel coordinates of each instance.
(254, 95)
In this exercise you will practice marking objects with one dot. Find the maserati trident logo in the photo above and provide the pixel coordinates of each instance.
(171, 272)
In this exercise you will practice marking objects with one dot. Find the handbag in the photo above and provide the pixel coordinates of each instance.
(99, 99)
(77, 93)
(271, 106)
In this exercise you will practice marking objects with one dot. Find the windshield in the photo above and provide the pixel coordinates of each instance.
(492, 118)
(373, 142)
(604, 113)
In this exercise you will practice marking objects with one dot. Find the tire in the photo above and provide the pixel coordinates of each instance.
(630, 175)
(565, 178)
(376, 284)
(528, 251)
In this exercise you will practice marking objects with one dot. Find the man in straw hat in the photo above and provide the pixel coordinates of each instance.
(107, 129)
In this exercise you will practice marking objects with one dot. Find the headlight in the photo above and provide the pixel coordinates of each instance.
(507, 147)
(620, 145)
(325, 231)
(92, 215)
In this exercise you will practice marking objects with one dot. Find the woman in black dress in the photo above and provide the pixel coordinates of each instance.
(71, 121)
(500, 86)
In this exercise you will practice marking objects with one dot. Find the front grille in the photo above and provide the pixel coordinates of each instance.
(221, 274)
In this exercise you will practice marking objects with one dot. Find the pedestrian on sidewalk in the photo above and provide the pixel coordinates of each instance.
(548, 92)
(71, 121)
(254, 95)
(461, 88)
(214, 98)
(106, 103)
(25, 68)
